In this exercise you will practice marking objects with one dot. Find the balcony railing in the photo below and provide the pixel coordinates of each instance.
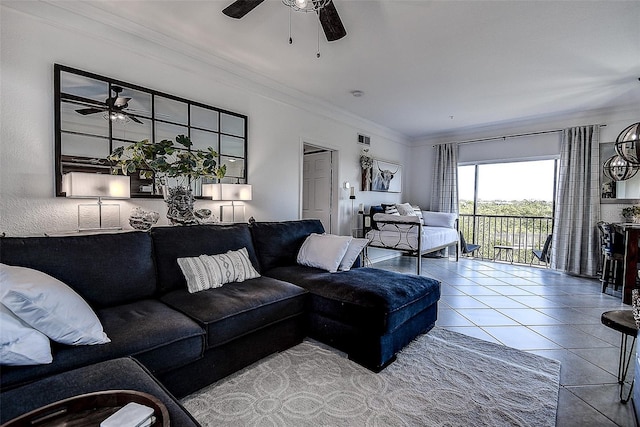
(522, 233)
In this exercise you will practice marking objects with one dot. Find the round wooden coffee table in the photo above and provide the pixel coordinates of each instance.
(90, 410)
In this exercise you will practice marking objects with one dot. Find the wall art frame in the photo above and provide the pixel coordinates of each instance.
(386, 176)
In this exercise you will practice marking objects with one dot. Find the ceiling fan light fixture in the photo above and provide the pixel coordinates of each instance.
(306, 5)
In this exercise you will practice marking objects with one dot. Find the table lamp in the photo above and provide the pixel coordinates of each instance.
(97, 216)
(232, 193)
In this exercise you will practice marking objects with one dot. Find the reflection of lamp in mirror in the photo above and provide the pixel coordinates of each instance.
(97, 216)
(618, 169)
(232, 193)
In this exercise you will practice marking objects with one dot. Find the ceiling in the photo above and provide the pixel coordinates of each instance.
(425, 67)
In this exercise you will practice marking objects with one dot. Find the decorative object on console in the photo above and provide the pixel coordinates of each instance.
(631, 214)
(97, 186)
(143, 220)
(165, 162)
(232, 193)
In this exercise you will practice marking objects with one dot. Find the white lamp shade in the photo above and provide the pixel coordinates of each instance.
(230, 192)
(92, 185)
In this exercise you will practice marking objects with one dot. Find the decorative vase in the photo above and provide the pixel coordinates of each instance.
(366, 179)
(180, 202)
(143, 220)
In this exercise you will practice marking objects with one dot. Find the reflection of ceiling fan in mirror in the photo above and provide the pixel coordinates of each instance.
(327, 13)
(113, 107)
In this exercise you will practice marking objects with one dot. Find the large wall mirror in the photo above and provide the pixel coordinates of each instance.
(96, 114)
(627, 191)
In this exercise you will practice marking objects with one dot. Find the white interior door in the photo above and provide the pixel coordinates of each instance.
(316, 190)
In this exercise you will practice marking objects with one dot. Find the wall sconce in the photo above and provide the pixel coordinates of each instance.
(97, 216)
(232, 193)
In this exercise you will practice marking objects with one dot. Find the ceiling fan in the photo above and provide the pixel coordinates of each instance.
(326, 10)
(114, 104)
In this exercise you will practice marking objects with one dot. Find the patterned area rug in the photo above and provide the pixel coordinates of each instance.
(441, 379)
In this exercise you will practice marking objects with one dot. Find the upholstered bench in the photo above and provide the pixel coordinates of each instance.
(116, 374)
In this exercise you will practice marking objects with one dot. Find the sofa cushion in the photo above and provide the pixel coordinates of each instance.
(237, 309)
(277, 243)
(171, 243)
(49, 306)
(118, 374)
(105, 269)
(157, 335)
(377, 301)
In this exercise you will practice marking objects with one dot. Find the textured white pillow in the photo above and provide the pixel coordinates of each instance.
(406, 209)
(212, 271)
(20, 344)
(50, 306)
(323, 251)
(439, 219)
(353, 251)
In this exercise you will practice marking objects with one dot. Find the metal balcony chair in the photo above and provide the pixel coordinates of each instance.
(467, 248)
(543, 255)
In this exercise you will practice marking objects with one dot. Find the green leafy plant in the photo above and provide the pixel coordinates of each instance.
(631, 212)
(164, 160)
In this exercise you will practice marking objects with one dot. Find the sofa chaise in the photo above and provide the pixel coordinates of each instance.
(188, 340)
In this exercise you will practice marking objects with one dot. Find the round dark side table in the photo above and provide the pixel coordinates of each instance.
(623, 322)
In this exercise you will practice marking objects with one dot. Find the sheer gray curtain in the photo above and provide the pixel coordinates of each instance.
(575, 240)
(444, 193)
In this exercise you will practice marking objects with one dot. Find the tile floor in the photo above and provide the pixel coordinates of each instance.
(541, 311)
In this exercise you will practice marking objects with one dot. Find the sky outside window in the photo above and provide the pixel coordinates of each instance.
(501, 183)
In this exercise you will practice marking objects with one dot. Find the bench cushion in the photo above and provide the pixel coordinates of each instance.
(377, 301)
(117, 374)
(157, 335)
(237, 309)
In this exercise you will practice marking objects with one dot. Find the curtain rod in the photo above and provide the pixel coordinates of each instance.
(515, 135)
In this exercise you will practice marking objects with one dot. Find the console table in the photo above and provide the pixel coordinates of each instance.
(631, 235)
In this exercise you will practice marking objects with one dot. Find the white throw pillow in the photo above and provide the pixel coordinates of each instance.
(439, 219)
(50, 306)
(20, 344)
(323, 251)
(406, 209)
(212, 271)
(353, 251)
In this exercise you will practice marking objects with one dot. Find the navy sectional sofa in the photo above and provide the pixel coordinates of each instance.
(187, 341)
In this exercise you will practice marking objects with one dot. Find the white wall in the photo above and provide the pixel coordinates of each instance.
(530, 147)
(278, 122)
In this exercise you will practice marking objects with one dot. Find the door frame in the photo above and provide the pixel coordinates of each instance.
(335, 196)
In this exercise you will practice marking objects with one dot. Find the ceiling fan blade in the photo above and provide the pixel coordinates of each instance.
(86, 111)
(331, 23)
(135, 119)
(239, 8)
